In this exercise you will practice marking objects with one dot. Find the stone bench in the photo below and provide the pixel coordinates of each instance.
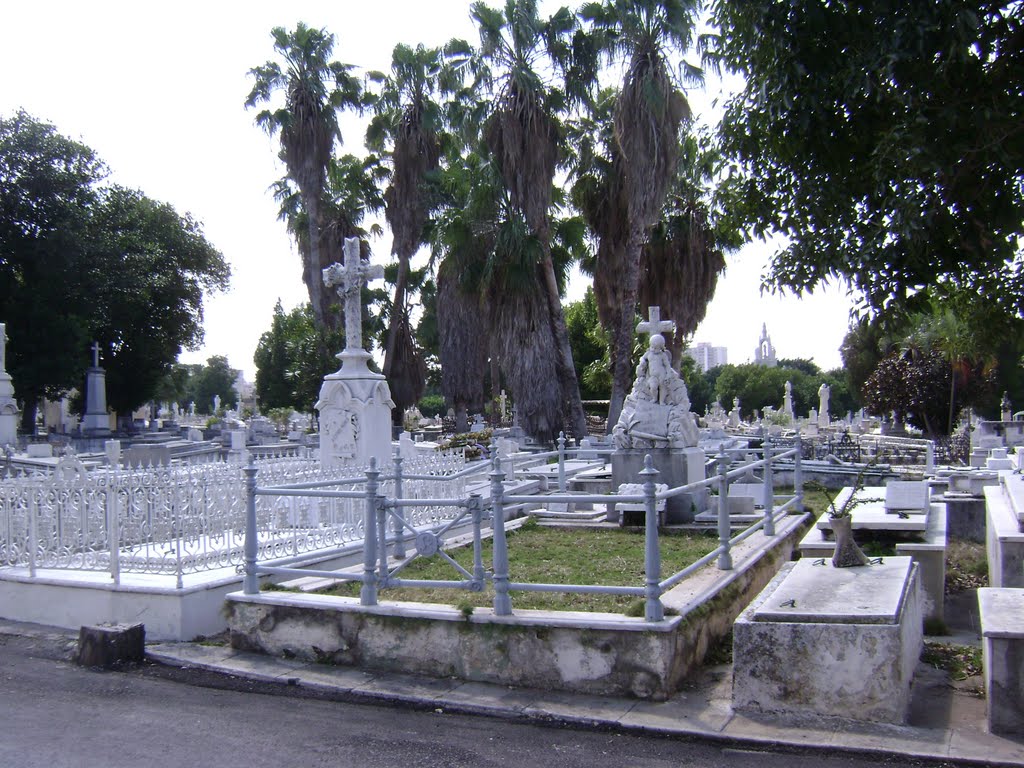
(839, 642)
(626, 513)
(1002, 629)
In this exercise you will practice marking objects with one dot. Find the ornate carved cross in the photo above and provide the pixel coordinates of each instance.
(348, 280)
(654, 324)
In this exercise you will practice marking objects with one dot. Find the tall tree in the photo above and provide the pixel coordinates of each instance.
(522, 138)
(315, 89)
(885, 145)
(648, 114)
(149, 270)
(48, 187)
(292, 359)
(80, 261)
(215, 379)
(406, 127)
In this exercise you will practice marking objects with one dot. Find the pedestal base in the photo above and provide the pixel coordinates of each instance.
(676, 467)
(355, 414)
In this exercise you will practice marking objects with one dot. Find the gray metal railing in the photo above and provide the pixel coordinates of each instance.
(429, 540)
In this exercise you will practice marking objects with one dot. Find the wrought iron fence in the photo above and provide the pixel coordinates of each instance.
(178, 520)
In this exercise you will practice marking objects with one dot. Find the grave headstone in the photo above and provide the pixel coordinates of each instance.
(96, 422)
(906, 496)
(355, 403)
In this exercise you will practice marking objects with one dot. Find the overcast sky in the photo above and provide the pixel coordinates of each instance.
(157, 89)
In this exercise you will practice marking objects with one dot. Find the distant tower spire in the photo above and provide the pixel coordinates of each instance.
(765, 352)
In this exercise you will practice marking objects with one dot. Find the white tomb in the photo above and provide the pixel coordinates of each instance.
(840, 642)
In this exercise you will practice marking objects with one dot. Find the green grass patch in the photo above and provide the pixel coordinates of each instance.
(544, 555)
(966, 566)
(816, 498)
(961, 661)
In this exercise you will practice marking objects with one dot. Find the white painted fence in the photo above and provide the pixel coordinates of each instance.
(176, 520)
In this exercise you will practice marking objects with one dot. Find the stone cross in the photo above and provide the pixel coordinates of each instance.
(654, 324)
(3, 348)
(349, 280)
(95, 354)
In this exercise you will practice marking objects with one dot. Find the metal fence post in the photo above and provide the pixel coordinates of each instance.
(502, 602)
(561, 462)
(251, 584)
(33, 531)
(381, 510)
(399, 511)
(724, 530)
(113, 527)
(476, 511)
(798, 475)
(653, 609)
(368, 592)
(769, 489)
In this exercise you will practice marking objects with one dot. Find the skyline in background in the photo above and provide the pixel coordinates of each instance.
(157, 91)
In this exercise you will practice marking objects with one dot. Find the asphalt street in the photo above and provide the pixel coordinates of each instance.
(56, 714)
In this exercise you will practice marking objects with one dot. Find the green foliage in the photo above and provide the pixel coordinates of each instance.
(214, 378)
(884, 145)
(80, 261)
(757, 386)
(292, 359)
(432, 406)
(915, 385)
(150, 268)
(589, 345)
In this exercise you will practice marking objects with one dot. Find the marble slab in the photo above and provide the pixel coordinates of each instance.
(871, 594)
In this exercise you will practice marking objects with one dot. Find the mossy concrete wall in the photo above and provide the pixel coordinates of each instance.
(601, 654)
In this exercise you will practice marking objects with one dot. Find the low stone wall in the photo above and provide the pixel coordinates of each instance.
(601, 654)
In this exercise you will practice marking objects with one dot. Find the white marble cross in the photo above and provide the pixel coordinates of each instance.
(349, 280)
(95, 354)
(654, 324)
(3, 348)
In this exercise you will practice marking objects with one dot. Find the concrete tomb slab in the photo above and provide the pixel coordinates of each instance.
(839, 642)
(1002, 628)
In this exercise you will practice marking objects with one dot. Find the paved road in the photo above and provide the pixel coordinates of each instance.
(55, 714)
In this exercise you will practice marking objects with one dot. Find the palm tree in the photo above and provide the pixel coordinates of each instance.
(406, 126)
(648, 113)
(351, 190)
(685, 251)
(315, 88)
(522, 138)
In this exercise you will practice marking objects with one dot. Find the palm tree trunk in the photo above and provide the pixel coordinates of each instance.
(567, 371)
(397, 308)
(622, 365)
(314, 282)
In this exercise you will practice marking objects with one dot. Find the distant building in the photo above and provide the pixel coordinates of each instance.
(707, 356)
(765, 352)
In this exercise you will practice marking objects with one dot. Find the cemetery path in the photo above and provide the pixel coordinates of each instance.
(58, 714)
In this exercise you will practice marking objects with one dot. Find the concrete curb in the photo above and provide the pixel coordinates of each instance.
(688, 716)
